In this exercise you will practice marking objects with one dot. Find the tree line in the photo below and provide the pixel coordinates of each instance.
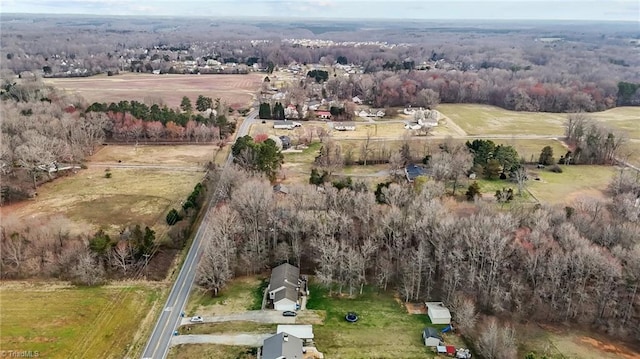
(49, 248)
(135, 120)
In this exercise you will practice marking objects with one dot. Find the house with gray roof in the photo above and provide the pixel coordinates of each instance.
(282, 346)
(284, 287)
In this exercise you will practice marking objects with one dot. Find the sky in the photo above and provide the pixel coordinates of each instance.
(606, 10)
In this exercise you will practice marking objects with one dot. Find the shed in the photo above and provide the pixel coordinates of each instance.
(438, 313)
(431, 337)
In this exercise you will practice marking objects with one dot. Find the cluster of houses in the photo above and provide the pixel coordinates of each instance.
(421, 118)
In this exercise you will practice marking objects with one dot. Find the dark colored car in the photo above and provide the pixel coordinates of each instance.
(289, 313)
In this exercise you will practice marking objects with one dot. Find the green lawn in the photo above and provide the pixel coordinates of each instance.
(626, 119)
(384, 328)
(241, 294)
(70, 322)
(484, 119)
(574, 183)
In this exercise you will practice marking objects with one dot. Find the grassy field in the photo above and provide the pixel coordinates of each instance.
(241, 294)
(72, 322)
(574, 183)
(168, 89)
(384, 328)
(170, 156)
(626, 119)
(138, 195)
(211, 351)
(491, 120)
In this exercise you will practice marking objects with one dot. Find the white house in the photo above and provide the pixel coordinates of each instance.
(286, 125)
(344, 126)
(357, 100)
(438, 313)
(284, 287)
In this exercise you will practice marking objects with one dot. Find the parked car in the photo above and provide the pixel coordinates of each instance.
(197, 319)
(289, 313)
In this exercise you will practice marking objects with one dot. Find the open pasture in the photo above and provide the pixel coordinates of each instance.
(574, 183)
(491, 120)
(70, 322)
(626, 119)
(169, 89)
(141, 188)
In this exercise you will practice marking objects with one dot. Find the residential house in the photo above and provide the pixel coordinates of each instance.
(357, 100)
(344, 126)
(431, 337)
(284, 287)
(413, 171)
(282, 346)
(438, 313)
(323, 115)
(286, 125)
(370, 113)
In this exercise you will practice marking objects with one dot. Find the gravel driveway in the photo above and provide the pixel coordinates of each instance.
(246, 339)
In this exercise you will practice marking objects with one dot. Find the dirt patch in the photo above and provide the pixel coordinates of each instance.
(618, 350)
(416, 308)
(557, 341)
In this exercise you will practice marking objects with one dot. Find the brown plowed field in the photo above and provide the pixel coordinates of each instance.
(236, 90)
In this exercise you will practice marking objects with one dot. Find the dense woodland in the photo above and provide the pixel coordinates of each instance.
(575, 264)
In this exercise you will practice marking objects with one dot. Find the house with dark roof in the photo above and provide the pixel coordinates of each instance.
(431, 337)
(413, 171)
(282, 346)
(281, 189)
(284, 287)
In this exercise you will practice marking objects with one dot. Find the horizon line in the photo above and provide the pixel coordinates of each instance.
(258, 17)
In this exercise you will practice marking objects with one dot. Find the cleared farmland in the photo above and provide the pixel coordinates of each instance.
(141, 188)
(234, 89)
(491, 120)
(69, 322)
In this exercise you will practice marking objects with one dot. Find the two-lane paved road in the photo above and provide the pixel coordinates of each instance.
(158, 344)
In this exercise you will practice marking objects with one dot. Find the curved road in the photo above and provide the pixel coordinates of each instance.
(158, 345)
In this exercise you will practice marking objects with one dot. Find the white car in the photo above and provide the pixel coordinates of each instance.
(197, 319)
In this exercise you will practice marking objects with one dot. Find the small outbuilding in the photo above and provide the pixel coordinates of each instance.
(431, 337)
(438, 313)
